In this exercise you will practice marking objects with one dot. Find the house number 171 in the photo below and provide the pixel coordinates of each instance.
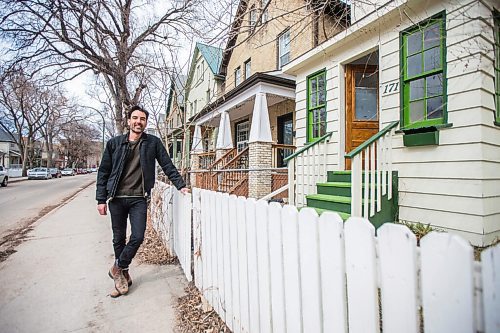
(390, 87)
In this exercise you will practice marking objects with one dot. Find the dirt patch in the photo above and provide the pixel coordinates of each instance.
(191, 318)
(9, 242)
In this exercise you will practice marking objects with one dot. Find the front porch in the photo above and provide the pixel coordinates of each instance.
(241, 141)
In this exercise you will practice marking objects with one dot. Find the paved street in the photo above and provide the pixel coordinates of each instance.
(57, 280)
(22, 201)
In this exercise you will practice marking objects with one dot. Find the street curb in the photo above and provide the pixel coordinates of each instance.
(17, 179)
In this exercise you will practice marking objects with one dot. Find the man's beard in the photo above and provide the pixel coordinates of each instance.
(137, 129)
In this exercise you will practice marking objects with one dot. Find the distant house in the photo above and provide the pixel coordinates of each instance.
(175, 118)
(253, 115)
(9, 150)
(408, 99)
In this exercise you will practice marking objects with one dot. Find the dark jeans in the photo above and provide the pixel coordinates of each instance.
(136, 210)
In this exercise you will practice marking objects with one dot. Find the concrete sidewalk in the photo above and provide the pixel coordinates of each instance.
(57, 280)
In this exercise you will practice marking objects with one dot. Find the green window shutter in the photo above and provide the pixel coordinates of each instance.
(316, 105)
(423, 73)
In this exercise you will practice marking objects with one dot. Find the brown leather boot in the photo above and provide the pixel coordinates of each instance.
(126, 274)
(121, 284)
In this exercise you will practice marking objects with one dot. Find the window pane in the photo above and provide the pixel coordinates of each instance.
(366, 80)
(284, 59)
(321, 82)
(316, 115)
(286, 39)
(416, 89)
(435, 85)
(314, 85)
(416, 111)
(321, 90)
(414, 65)
(366, 103)
(432, 59)
(248, 69)
(323, 115)
(414, 42)
(432, 36)
(314, 100)
(435, 107)
(315, 130)
(322, 129)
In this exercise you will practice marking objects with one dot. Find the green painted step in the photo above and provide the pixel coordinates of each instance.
(334, 188)
(329, 202)
(339, 176)
(343, 215)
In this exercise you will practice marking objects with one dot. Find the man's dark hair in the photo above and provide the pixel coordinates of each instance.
(137, 108)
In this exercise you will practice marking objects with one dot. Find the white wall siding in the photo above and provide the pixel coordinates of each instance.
(459, 177)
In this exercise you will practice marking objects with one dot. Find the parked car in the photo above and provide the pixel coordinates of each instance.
(4, 177)
(55, 172)
(39, 173)
(68, 172)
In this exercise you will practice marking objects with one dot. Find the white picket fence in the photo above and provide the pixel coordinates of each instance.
(268, 268)
(171, 218)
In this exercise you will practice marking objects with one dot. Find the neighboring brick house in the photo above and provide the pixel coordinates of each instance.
(254, 112)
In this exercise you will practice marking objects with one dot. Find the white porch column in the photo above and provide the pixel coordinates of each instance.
(260, 131)
(224, 140)
(196, 149)
(260, 149)
(197, 146)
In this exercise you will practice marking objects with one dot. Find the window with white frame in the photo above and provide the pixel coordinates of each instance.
(242, 134)
(248, 68)
(264, 8)
(284, 49)
(252, 19)
(237, 76)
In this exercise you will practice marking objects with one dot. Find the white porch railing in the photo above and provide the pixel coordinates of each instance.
(268, 268)
(372, 166)
(306, 167)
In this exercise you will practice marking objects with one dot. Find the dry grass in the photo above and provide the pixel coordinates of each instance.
(152, 250)
(191, 318)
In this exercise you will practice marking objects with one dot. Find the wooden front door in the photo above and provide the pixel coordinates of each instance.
(362, 118)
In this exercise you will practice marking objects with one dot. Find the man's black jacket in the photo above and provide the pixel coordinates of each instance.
(113, 160)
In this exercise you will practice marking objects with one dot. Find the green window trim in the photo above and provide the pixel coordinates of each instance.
(423, 74)
(316, 105)
(496, 17)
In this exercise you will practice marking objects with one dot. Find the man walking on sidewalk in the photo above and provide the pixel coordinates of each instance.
(125, 178)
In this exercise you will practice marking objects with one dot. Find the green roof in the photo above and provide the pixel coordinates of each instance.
(212, 55)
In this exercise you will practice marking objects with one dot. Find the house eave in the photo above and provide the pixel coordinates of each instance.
(357, 28)
(251, 81)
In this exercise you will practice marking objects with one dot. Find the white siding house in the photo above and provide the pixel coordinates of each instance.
(429, 65)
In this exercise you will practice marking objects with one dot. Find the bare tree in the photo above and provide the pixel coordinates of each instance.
(61, 113)
(22, 103)
(111, 39)
(78, 142)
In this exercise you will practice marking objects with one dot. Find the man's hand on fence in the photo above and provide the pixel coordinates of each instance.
(185, 190)
(102, 209)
